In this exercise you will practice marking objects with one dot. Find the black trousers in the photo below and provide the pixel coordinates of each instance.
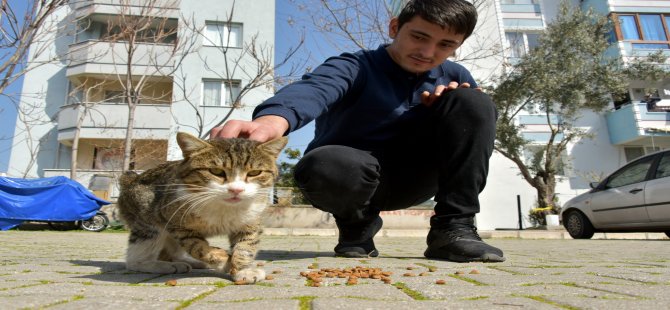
(445, 156)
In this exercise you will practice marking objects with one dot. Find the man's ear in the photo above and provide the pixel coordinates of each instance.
(393, 27)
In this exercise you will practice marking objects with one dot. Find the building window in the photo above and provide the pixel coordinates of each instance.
(644, 31)
(521, 42)
(533, 156)
(223, 34)
(219, 92)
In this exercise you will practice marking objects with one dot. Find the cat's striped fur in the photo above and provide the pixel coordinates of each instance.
(219, 188)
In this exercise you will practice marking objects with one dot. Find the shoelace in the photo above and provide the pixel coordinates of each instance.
(466, 232)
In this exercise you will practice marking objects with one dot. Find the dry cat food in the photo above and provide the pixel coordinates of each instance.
(171, 282)
(440, 282)
(351, 274)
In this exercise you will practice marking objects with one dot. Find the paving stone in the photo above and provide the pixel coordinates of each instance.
(77, 270)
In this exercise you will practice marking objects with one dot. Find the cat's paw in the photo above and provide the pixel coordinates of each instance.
(249, 275)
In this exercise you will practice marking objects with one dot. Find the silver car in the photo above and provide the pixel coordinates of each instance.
(634, 198)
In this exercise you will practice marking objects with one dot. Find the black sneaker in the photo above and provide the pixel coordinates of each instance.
(459, 242)
(356, 240)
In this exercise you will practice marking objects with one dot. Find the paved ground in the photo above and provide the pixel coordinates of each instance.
(77, 270)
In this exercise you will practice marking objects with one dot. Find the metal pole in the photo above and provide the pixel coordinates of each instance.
(518, 207)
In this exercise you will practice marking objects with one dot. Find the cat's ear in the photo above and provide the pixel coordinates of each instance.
(275, 146)
(190, 144)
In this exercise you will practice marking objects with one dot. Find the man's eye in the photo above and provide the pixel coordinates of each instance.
(217, 172)
(253, 173)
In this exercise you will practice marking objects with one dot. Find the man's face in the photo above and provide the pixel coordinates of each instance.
(420, 46)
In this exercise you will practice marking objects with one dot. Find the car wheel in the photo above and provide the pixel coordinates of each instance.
(97, 223)
(578, 226)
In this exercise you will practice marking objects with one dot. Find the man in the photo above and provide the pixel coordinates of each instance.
(394, 127)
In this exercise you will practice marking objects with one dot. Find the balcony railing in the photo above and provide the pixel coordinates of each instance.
(158, 8)
(110, 120)
(102, 57)
(634, 122)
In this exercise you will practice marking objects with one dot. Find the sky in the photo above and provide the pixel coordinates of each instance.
(289, 23)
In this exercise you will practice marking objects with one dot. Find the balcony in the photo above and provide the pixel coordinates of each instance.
(109, 121)
(95, 57)
(523, 14)
(160, 8)
(536, 129)
(634, 124)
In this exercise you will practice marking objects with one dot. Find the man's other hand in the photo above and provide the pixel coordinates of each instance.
(428, 99)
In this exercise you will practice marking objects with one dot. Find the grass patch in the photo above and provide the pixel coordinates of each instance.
(305, 302)
(74, 298)
(466, 279)
(553, 266)
(475, 298)
(187, 303)
(516, 273)
(544, 300)
(410, 292)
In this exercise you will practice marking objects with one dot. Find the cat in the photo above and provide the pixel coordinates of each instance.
(218, 188)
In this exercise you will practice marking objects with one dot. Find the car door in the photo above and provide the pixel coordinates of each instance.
(657, 192)
(621, 200)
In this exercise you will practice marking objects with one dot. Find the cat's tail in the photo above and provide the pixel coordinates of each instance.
(127, 179)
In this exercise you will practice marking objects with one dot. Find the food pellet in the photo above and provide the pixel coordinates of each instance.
(440, 282)
(171, 282)
(409, 274)
(459, 272)
(269, 277)
(277, 271)
(240, 282)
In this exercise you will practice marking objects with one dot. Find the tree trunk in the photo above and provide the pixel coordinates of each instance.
(75, 144)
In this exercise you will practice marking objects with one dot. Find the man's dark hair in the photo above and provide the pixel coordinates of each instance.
(459, 15)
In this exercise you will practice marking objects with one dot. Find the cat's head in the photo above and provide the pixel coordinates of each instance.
(236, 170)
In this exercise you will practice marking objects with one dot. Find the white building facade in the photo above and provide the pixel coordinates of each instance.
(193, 59)
(623, 132)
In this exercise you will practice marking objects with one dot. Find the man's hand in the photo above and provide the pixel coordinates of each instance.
(262, 129)
(428, 99)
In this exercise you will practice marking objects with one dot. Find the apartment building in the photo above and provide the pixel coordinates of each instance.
(188, 68)
(627, 129)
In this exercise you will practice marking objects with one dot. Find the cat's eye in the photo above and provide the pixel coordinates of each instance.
(253, 173)
(217, 172)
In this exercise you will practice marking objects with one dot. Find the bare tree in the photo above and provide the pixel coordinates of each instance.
(347, 25)
(151, 38)
(26, 27)
(251, 68)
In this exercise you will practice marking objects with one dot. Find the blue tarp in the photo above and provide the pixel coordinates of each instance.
(46, 199)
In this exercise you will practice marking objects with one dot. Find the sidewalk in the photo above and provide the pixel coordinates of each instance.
(83, 270)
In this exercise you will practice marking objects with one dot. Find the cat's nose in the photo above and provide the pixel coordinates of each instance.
(235, 191)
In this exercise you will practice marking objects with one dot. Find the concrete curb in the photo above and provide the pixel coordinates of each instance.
(485, 234)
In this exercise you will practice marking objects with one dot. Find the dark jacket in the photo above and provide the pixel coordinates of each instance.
(359, 100)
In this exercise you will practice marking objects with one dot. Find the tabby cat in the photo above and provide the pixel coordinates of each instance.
(217, 189)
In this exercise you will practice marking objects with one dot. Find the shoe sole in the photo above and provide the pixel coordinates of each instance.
(357, 254)
(486, 258)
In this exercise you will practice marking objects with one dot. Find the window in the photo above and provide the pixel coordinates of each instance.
(534, 158)
(216, 92)
(520, 43)
(645, 31)
(223, 34)
(634, 173)
(114, 96)
(663, 169)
